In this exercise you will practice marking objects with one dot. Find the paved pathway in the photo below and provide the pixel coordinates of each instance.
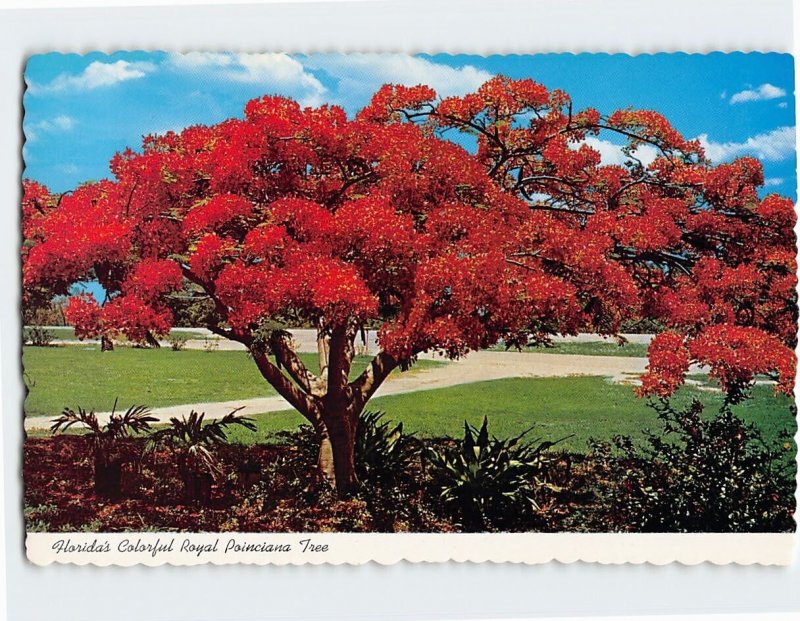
(476, 367)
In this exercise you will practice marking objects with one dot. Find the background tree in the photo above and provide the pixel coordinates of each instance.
(302, 216)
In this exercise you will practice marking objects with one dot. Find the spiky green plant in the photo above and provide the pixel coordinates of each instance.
(383, 452)
(486, 482)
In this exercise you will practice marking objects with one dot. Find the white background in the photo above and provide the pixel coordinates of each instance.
(449, 591)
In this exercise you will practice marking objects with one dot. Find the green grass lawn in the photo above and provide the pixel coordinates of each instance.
(67, 333)
(588, 407)
(83, 376)
(595, 348)
(584, 407)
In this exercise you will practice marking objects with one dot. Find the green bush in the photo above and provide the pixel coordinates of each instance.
(487, 483)
(702, 475)
(210, 345)
(177, 341)
(37, 336)
(194, 441)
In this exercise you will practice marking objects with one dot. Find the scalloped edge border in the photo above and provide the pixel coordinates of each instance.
(183, 549)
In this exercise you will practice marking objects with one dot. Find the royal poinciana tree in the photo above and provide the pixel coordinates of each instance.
(448, 224)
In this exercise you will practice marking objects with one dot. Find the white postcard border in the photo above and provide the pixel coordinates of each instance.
(127, 549)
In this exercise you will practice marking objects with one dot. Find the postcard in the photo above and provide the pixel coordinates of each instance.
(342, 308)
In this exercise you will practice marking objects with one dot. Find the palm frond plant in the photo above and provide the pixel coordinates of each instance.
(105, 440)
(486, 482)
(193, 440)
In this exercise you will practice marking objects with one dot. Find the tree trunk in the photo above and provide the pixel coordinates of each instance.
(325, 459)
(107, 477)
(106, 344)
(337, 453)
(151, 340)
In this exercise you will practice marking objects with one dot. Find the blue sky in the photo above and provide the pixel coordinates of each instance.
(80, 110)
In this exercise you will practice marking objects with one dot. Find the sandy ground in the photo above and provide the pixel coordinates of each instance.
(476, 367)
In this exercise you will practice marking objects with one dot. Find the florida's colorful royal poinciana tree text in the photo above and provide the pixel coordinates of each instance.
(448, 224)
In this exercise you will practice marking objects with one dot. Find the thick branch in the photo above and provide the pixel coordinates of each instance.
(303, 403)
(349, 183)
(280, 343)
(341, 356)
(365, 385)
(239, 337)
(323, 351)
(207, 287)
(234, 335)
(561, 208)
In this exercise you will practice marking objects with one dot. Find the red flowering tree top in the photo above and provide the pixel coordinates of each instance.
(302, 216)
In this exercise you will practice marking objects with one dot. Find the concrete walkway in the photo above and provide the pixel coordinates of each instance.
(475, 367)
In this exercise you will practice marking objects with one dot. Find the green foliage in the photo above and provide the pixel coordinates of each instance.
(177, 341)
(42, 309)
(383, 452)
(703, 475)
(210, 344)
(194, 440)
(103, 438)
(37, 336)
(192, 308)
(490, 484)
(106, 441)
(643, 325)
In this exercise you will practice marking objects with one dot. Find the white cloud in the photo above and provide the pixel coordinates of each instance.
(611, 153)
(783, 104)
(760, 93)
(771, 182)
(772, 146)
(95, 75)
(360, 75)
(356, 76)
(64, 122)
(68, 169)
(61, 123)
(193, 60)
(279, 70)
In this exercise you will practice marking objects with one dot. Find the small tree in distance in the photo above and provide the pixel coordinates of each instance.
(295, 216)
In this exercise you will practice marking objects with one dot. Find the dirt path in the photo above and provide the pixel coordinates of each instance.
(476, 367)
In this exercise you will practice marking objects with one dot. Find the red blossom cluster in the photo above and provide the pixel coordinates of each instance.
(669, 363)
(737, 354)
(128, 315)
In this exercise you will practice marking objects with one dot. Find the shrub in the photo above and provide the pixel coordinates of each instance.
(489, 484)
(177, 341)
(210, 345)
(383, 452)
(703, 475)
(105, 441)
(193, 441)
(37, 336)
